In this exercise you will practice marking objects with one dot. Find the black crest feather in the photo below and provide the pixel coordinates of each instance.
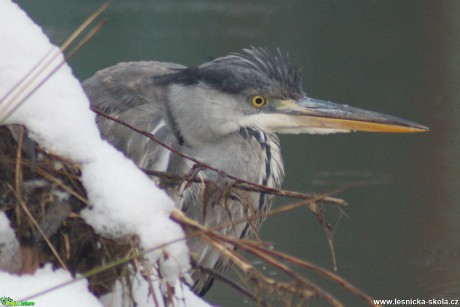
(253, 70)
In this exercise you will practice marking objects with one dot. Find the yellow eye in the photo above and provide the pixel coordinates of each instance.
(258, 101)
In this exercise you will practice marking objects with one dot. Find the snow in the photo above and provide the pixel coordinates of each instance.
(183, 296)
(34, 288)
(10, 257)
(124, 201)
(20, 288)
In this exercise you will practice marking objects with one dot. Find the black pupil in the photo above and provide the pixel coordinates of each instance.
(259, 100)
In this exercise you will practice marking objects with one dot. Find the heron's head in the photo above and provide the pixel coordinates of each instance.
(256, 89)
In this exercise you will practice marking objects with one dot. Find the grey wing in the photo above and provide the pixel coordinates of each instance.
(128, 92)
(126, 85)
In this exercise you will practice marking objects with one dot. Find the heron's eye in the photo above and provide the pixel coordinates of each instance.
(258, 101)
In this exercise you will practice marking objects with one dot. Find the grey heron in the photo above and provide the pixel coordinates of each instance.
(227, 113)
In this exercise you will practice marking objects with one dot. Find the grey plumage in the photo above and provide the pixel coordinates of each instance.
(151, 95)
(225, 113)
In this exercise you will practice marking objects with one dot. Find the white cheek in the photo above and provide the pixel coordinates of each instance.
(279, 123)
(305, 130)
(266, 122)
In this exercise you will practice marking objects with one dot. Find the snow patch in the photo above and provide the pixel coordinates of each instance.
(22, 287)
(124, 201)
(10, 256)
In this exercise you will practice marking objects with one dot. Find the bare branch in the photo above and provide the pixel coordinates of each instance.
(239, 183)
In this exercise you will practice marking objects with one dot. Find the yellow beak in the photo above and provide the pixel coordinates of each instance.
(310, 113)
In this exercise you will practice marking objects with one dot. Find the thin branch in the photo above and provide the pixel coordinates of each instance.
(230, 283)
(314, 268)
(319, 213)
(85, 40)
(84, 26)
(40, 230)
(248, 268)
(23, 89)
(46, 175)
(18, 171)
(179, 217)
(238, 181)
(252, 188)
(60, 183)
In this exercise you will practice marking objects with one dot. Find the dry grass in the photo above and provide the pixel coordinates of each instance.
(42, 196)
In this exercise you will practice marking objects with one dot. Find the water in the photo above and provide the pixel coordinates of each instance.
(400, 236)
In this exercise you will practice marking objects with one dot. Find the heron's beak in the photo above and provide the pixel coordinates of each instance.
(313, 115)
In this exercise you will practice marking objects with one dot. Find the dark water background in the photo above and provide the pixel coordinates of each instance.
(400, 237)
